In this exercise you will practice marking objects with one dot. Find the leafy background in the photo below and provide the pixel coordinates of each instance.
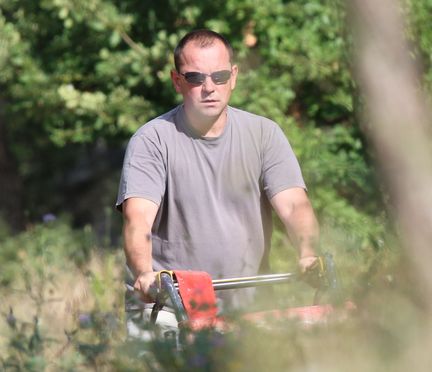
(78, 77)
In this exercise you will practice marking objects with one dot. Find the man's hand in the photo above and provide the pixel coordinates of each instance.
(311, 270)
(143, 284)
(307, 263)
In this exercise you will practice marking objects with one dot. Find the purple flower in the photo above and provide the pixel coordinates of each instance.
(85, 320)
(48, 217)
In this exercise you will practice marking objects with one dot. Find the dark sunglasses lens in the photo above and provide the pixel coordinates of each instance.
(195, 78)
(221, 77)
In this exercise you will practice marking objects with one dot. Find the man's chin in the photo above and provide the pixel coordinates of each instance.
(212, 110)
(207, 113)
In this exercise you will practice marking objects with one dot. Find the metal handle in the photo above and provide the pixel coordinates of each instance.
(251, 281)
(169, 290)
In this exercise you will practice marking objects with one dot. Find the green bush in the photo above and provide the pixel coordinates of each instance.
(51, 244)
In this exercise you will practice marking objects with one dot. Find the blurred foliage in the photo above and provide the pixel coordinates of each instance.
(419, 35)
(61, 299)
(373, 337)
(31, 254)
(83, 74)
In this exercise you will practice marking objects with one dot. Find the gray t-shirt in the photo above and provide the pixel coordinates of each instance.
(213, 193)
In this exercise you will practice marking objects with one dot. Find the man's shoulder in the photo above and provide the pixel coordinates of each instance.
(251, 119)
(159, 125)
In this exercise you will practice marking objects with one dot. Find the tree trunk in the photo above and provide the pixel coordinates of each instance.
(397, 121)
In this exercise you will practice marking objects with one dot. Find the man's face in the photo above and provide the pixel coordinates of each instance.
(206, 101)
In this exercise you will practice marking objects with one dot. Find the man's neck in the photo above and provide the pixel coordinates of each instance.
(209, 127)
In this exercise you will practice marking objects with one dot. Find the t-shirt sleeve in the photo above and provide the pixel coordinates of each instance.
(281, 169)
(143, 173)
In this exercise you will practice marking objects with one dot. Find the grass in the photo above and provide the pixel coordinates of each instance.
(69, 317)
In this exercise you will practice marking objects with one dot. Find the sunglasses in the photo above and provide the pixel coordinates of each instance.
(198, 78)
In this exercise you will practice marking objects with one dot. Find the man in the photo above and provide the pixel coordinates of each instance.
(198, 182)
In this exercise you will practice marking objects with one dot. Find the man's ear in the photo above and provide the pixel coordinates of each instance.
(175, 78)
(234, 73)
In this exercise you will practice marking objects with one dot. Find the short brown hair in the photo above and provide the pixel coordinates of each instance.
(204, 38)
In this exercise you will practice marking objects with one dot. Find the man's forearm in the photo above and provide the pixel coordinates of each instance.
(139, 215)
(295, 211)
(138, 248)
(303, 230)
(305, 236)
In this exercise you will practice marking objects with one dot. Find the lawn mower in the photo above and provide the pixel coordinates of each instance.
(192, 296)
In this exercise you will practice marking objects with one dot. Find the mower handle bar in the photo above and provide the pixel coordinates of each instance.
(251, 281)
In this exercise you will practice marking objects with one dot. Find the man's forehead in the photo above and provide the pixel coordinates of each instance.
(195, 48)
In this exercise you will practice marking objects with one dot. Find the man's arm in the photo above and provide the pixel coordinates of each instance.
(139, 215)
(295, 210)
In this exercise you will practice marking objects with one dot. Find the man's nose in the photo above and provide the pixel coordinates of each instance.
(208, 84)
